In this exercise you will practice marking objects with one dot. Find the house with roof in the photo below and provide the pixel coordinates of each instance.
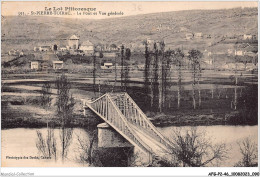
(45, 60)
(57, 64)
(149, 41)
(63, 49)
(239, 52)
(109, 54)
(72, 41)
(107, 66)
(45, 48)
(87, 47)
(34, 65)
(198, 35)
(189, 36)
(247, 36)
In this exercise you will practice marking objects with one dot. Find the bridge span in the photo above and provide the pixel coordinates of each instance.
(121, 112)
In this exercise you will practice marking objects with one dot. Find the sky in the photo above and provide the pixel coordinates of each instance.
(122, 8)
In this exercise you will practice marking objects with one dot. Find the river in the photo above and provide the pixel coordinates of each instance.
(21, 142)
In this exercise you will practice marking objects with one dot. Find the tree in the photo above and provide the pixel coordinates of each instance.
(127, 54)
(236, 81)
(46, 147)
(101, 55)
(248, 149)
(65, 104)
(55, 47)
(179, 55)
(94, 73)
(167, 76)
(126, 76)
(192, 149)
(162, 76)
(115, 76)
(147, 71)
(86, 149)
(194, 57)
(126, 70)
(155, 77)
(122, 65)
(46, 97)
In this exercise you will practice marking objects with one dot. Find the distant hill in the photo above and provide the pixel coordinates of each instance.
(27, 32)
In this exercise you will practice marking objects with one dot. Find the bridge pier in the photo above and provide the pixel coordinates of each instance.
(109, 138)
(114, 150)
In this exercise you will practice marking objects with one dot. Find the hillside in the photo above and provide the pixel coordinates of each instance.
(30, 31)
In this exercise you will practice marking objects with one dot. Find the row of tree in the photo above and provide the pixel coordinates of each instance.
(157, 74)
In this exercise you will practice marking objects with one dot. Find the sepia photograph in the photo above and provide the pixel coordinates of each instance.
(129, 84)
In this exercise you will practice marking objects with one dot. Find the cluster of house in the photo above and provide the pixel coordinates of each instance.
(46, 61)
(199, 35)
(66, 44)
(249, 37)
(35, 65)
(234, 52)
(70, 44)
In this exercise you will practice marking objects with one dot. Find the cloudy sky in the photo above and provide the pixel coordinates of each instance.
(128, 8)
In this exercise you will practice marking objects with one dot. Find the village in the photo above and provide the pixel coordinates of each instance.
(55, 54)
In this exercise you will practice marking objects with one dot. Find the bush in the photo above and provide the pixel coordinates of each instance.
(248, 149)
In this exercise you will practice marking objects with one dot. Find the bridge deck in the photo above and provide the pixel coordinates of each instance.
(156, 146)
(123, 114)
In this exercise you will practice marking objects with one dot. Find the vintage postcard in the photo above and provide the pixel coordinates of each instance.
(129, 84)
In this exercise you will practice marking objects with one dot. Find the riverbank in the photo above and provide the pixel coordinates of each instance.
(22, 116)
(23, 110)
(209, 119)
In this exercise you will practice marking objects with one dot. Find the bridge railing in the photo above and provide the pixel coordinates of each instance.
(105, 108)
(136, 116)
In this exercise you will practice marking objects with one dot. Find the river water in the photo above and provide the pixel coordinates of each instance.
(21, 142)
